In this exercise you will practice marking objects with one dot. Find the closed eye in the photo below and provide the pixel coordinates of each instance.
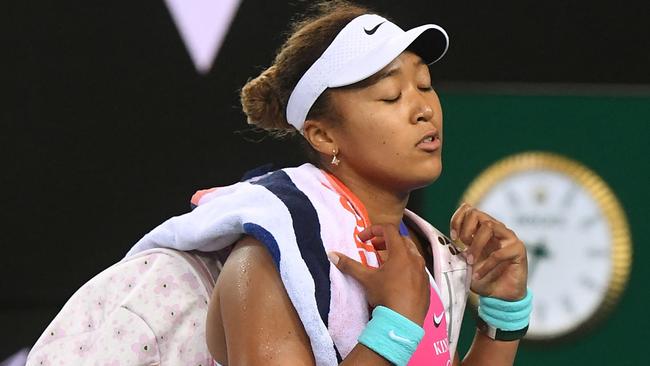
(426, 88)
(392, 100)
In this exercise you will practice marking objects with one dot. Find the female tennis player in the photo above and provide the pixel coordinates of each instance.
(357, 88)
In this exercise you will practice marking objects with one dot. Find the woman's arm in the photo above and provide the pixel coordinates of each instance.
(251, 319)
(250, 315)
(500, 271)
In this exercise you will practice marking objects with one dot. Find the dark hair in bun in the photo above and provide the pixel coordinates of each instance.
(264, 98)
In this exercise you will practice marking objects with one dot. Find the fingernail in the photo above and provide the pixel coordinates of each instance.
(333, 257)
(475, 276)
(453, 234)
(470, 259)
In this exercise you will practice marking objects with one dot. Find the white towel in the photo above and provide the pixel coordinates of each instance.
(299, 214)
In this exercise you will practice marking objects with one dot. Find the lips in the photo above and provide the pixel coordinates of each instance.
(430, 142)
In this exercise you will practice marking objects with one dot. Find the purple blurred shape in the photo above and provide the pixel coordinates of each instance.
(17, 359)
(203, 25)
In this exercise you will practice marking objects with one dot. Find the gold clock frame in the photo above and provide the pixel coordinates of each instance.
(607, 203)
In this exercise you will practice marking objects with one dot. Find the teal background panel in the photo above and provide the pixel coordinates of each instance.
(608, 134)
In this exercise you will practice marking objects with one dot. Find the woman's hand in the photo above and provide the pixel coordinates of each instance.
(401, 283)
(498, 256)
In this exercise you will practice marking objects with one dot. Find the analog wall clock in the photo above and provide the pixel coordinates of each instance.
(576, 233)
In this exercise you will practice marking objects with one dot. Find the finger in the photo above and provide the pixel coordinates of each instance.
(411, 247)
(457, 220)
(383, 255)
(512, 254)
(473, 218)
(502, 232)
(349, 266)
(371, 232)
(378, 243)
(395, 243)
(478, 243)
(492, 245)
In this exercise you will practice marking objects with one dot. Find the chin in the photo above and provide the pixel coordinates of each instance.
(425, 174)
(426, 180)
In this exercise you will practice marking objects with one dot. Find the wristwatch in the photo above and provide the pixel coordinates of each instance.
(500, 334)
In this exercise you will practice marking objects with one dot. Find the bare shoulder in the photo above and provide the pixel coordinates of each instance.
(251, 313)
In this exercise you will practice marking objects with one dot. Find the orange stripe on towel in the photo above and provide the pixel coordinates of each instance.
(352, 203)
(199, 194)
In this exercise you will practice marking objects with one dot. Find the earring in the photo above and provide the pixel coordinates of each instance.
(335, 161)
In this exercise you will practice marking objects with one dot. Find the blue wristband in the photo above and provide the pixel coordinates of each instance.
(506, 315)
(391, 335)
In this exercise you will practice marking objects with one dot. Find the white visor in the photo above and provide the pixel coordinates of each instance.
(363, 47)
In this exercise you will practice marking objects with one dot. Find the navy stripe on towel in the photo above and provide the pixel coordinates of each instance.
(339, 359)
(307, 229)
(265, 237)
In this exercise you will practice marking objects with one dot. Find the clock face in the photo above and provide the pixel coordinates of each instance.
(568, 241)
(575, 231)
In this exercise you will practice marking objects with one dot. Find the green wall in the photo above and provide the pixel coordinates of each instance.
(608, 134)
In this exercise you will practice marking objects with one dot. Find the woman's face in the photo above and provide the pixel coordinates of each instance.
(391, 131)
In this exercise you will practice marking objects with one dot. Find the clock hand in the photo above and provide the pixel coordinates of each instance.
(536, 252)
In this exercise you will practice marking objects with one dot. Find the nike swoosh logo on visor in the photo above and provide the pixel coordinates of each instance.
(397, 338)
(437, 319)
(373, 29)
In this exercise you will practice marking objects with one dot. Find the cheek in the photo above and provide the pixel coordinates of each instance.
(379, 148)
(376, 134)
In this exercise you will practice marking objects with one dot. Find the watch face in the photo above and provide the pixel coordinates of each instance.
(575, 233)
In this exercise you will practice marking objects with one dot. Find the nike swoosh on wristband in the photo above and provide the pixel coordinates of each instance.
(395, 337)
(437, 319)
(372, 30)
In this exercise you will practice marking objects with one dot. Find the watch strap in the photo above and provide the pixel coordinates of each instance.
(500, 334)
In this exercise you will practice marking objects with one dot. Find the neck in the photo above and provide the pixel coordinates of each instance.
(384, 205)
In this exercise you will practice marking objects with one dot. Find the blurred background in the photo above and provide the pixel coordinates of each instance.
(114, 113)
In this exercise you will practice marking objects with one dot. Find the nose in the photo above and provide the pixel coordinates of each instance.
(423, 113)
(421, 108)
